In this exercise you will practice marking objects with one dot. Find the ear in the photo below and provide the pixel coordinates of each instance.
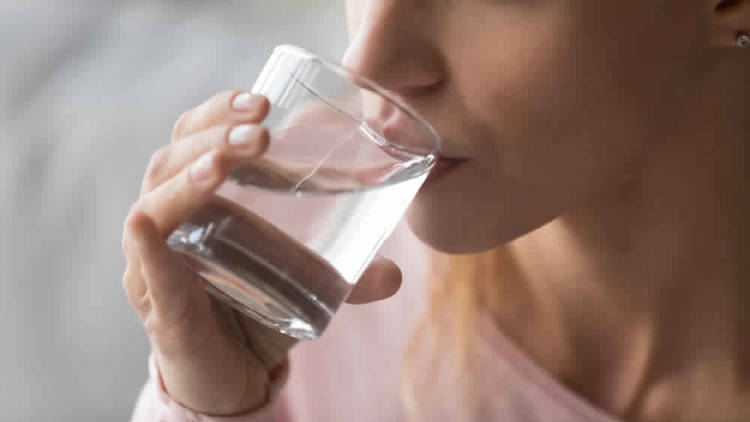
(728, 19)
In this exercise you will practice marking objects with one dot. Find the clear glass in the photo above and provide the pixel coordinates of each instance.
(286, 237)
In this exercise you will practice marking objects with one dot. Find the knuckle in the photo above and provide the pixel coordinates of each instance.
(223, 102)
(134, 210)
(142, 306)
(162, 330)
(127, 236)
(136, 291)
(218, 105)
(223, 98)
(130, 226)
(154, 328)
(156, 165)
(179, 124)
(125, 244)
(128, 279)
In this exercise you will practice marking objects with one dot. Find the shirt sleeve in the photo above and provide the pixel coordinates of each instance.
(155, 405)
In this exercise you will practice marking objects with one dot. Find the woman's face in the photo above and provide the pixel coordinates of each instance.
(551, 101)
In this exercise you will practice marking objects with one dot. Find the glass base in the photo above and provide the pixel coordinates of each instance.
(263, 305)
(260, 271)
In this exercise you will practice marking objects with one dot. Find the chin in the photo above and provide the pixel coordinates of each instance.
(450, 227)
(456, 220)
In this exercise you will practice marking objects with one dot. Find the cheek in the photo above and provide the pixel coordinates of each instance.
(557, 104)
(546, 124)
(550, 121)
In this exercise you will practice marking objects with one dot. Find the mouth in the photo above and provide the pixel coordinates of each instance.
(443, 166)
(402, 131)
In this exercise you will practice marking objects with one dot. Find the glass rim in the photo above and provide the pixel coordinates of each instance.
(364, 82)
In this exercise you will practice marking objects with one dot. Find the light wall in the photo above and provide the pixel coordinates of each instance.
(88, 90)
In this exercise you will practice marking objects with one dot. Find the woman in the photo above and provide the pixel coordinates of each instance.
(595, 219)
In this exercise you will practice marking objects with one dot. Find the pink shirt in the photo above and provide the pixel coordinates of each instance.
(353, 371)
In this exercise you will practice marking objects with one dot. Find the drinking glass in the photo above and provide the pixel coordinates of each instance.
(286, 237)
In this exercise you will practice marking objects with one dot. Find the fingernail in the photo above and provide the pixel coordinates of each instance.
(200, 171)
(243, 102)
(242, 135)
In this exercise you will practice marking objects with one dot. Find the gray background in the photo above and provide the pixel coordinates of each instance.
(88, 90)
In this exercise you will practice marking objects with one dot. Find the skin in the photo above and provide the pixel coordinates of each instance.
(606, 146)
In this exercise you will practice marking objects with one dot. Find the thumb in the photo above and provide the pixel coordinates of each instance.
(381, 280)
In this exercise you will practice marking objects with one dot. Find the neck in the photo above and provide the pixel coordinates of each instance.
(646, 284)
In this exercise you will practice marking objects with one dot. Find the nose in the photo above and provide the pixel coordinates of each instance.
(394, 47)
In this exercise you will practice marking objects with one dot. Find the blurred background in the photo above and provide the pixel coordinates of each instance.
(88, 90)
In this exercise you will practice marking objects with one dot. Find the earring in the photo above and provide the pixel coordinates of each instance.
(743, 39)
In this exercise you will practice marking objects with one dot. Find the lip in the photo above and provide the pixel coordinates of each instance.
(416, 141)
(443, 166)
(396, 129)
(404, 137)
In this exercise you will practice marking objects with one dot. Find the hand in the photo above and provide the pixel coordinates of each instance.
(211, 358)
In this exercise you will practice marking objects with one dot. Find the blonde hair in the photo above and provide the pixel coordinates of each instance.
(469, 285)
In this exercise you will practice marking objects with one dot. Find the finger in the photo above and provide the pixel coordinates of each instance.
(238, 143)
(227, 107)
(381, 280)
(172, 287)
(179, 197)
(267, 344)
